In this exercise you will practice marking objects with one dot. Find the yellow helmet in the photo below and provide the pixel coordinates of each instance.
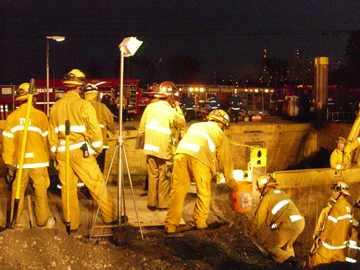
(341, 187)
(220, 116)
(341, 140)
(74, 77)
(23, 91)
(165, 89)
(266, 180)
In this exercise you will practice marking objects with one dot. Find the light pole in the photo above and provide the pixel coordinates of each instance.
(56, 38)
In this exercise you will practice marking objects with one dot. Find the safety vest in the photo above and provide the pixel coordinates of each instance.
(275, 207)
(208, 143)
(37, 150)
(336, 232)
(159, 123)
(84, 126)
(105, 118)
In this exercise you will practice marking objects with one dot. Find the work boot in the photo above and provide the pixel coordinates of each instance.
(151, 208)
(295, 263)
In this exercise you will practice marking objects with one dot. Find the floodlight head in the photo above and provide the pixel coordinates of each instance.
(129, 46)
(56, 38)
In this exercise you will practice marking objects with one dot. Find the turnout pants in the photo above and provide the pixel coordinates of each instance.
(325, 255)
(41, 182)
(280, 242)
(159, 181)
(186, 169)
(88, 171)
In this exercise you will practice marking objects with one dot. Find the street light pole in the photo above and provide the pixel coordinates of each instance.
(56, 38)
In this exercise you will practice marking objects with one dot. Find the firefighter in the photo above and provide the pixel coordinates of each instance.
(86, 143)
(283, 218)
(235, 106)
(340, 158)
(105, 118)
(203, 144)
(353, 251)
(159, 124)
(36, 153)
(335, 236)
(214, 102)
(189, 106)
(319, 226)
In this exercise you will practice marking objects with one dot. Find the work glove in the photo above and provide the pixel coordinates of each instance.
(233, 185)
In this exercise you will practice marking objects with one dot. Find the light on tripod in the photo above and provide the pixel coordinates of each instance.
(127, 47)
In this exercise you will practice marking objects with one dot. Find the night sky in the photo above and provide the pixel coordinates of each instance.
(225, 36)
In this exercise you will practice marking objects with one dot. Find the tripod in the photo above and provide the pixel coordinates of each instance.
(127, 48)
(121, 195)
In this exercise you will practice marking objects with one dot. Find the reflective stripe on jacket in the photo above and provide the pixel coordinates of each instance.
(275, 207)
(105, 118)
(208, 143)
(214, 103)
(159, 123)
(37, 148)
(84, 126)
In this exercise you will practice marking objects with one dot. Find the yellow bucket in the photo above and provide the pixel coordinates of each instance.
(241, 201)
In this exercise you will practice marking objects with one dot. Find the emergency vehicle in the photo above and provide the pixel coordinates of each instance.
(45, 99)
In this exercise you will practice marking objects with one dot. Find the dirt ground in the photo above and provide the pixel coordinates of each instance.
(221, 246)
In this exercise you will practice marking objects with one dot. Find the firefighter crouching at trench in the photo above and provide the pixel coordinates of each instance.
(335, 236)
(105, 118)
(158, 124)
(36, 153)
(195, 161)
(340, 158)
(85, 144)
(285, 221)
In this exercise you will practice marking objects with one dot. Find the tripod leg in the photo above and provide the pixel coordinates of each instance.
(132, 191)
(102, 193)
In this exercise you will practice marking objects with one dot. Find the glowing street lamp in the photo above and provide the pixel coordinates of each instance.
(56, 38)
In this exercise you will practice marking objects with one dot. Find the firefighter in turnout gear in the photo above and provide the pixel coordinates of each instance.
(340, 158)
(319, 226)
(159, 124)
(283, 218)
(86, 143)
(214, 102)
(235, 106)
(105, 118)
(335, 236)
(36, 153)
(194, 160)
(189, 106)
(354, 248)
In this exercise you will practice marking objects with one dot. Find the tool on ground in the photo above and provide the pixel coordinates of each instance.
(22, 153)
(67, 174)
(31, 219)
(10, 177)
(231, 224)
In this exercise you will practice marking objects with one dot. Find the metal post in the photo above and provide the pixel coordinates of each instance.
(47, 76)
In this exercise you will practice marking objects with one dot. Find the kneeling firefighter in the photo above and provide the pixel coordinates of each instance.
(285, 221)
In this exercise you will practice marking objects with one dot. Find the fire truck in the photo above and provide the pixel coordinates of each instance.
(45, 99)
(256, 100)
